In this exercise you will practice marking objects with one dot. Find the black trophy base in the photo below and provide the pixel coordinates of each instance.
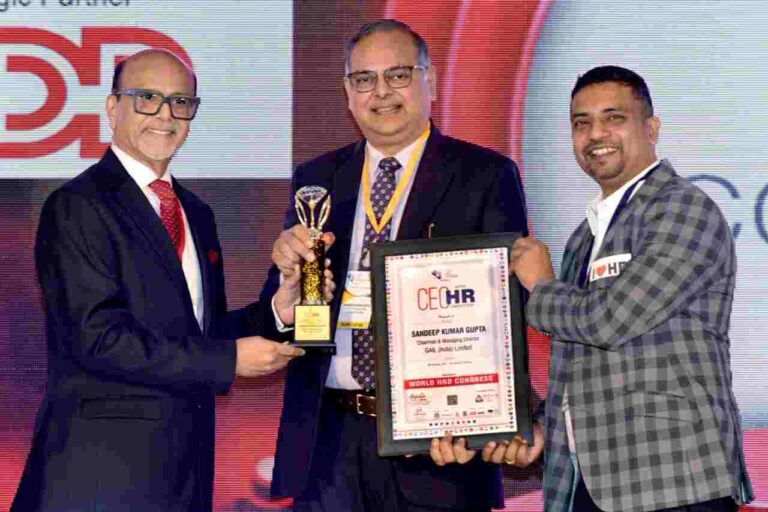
(312, 328)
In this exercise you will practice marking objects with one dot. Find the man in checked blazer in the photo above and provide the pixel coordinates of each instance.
(640, 413)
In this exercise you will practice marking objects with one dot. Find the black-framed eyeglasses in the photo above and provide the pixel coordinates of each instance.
(397, 77)
(149, 103)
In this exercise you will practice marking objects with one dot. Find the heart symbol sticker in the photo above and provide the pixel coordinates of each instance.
(600, 270)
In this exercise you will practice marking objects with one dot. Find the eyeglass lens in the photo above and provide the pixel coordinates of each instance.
(149, 103)
(397, 78)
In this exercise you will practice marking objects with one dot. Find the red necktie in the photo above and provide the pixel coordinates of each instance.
(170, 213)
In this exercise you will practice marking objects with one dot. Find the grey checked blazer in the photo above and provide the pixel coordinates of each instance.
(646, 359)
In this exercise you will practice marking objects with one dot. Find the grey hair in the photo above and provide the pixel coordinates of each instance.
(386, 25)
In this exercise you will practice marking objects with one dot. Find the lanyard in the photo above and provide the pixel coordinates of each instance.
(584, 271)
(378, 224)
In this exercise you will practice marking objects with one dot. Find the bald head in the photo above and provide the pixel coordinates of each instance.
(149, 136)
(145, 57)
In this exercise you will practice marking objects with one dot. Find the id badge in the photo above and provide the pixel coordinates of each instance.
(355, 310)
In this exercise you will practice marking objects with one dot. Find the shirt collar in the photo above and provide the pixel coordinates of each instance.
(375, 156)
(600, 206)
(140, 173)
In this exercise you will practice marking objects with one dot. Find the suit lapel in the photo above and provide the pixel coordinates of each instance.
(576, 258)
(655, 181)
(433, 176)
(346, 188)
(195, 221)
(616, 237)
(131, 200)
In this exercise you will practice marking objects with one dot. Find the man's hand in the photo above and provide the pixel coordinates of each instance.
(293, 246)
(516, 452)
(445, 451)
(289, 293)
(530, 262)
(257, 356)
(288, 251)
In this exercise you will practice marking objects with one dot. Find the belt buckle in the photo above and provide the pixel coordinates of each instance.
(358, 404)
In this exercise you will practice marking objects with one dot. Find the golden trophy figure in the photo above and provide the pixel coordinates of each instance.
(312, 327)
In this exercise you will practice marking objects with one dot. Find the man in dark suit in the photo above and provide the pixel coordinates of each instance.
(139, 337)
(435, 186)
(640, 413)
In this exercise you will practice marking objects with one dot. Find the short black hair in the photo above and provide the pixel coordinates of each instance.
(386, 25)
(602, 74)
(120, 67)
(116, 75)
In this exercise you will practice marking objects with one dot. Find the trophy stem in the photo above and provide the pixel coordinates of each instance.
(312, 276)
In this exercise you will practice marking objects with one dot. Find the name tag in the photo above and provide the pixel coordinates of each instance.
(610, 266)
(356, 306)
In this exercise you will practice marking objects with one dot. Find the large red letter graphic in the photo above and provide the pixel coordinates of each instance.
(85, 60)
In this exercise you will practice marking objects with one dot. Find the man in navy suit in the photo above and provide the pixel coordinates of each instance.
(435, 186)
(139, 337)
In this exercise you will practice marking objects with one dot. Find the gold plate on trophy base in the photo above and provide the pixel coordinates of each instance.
(312, 326)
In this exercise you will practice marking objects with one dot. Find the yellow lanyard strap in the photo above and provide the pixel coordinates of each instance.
(378, 224)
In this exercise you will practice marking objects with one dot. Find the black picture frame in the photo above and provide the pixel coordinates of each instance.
(387, 445)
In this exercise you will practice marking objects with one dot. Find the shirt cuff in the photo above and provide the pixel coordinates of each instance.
(281, 327)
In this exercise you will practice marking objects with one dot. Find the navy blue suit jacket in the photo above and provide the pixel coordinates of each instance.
(128, 415)
(459, 188)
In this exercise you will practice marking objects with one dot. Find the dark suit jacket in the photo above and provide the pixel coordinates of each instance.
(128, 416)
(459, 188)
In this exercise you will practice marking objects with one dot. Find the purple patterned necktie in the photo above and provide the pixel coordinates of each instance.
(363, 360)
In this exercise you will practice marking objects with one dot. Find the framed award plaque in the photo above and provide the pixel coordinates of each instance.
(451, 350)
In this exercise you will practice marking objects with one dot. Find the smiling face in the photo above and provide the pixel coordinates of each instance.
(152, 140)
(390, 119)
(613, 137)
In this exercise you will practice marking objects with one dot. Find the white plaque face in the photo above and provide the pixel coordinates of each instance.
(450, 357)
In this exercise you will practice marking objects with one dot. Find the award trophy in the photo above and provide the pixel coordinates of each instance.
(312, 327)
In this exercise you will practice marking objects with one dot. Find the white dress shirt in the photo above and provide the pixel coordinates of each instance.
(340, 374)
(143, 176)
(600, 210)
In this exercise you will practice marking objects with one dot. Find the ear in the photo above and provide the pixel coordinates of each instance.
(654, 126)
(432, 81)
(111, 108)
(350, 93)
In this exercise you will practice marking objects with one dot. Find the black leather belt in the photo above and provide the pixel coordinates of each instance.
(354, 401)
